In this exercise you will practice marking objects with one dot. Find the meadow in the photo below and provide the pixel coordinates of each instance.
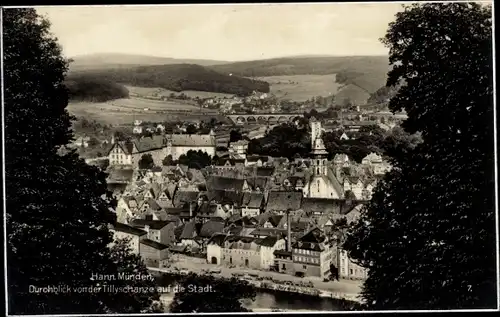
(125, 111)
(302, 87)
(145, 91)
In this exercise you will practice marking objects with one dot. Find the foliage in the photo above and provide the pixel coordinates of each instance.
(284, 140)
(372, 66)
(58, 207)
(146, 162)
(235, 136)
(168, 160)
(428, 234)
(131, 264)
(178, 78)
(211, 295)
(82, 87)
(191, 129)
(195, 159)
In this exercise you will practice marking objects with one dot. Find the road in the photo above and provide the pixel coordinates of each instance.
(196, 265)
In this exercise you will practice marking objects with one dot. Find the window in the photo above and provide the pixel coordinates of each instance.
(350, 271)
(284, 266)
(305, 267)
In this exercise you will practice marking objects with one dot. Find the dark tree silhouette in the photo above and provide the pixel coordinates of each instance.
(146, 162)
(191, 129)
(168, 160)
(195, 159)
(208, 294)
(235, 136)
(58, 207)
(428, 235)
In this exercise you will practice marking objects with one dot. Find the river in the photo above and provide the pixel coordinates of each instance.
(266, 301)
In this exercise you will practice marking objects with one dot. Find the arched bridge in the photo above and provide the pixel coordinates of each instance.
(264, 118)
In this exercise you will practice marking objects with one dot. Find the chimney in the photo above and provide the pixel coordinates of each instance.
(191, 207)
(146, 228)
(288, 232)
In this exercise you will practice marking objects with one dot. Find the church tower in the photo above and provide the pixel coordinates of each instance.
(319, 185)
(319, 154)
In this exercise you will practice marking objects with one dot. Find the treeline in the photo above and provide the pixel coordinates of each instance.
(181, 77)
(291, 141)
(322, 65)
(82, 87)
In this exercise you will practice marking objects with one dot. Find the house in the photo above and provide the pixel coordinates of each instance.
(153, 253)
(311, 255)
(120, 153)
(157, 230)
(133, 235)
(215, 183)
(253, 253)
(348, 269)
(137, 129)
(214, 248)
(281, 201)
(319, 206)
(183, 197)
(82, 141)
(239, 148)
(189, 234)
(258, 184)
(252, 204)
(255, 160)
(120, 176)
(344, 137)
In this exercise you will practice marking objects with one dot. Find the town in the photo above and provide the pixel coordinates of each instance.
(238, 211)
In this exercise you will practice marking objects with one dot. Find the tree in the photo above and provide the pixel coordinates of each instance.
(57, 206)
(168, 160)
(146, 162)
(195, 159)
(235, 136)
(93, 142)
(428, 234)
(208, 294)
(191, 129)
(130, 264)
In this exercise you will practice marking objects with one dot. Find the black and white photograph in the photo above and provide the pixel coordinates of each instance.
(251, 158)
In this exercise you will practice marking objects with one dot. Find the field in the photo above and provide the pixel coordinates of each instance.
(125, 111)
(144, 91)
(302, 87)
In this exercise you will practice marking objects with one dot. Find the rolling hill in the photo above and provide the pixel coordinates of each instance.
(116, 60)
(360, 76)
(86, 88)
(306, 66)
(177, 77)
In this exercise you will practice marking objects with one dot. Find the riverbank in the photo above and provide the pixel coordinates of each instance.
(344, 302)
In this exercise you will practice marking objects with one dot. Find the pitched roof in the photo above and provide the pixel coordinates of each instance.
(150, 143)
(269, 232)
(225, 197)
(225, 183)
(153, 224)
(217, 239)
(257, 182)
(268, 241)
(121, 227)
(275, 220)
(120, 175)
(153, 204)
(181, 197)
(190, 230)
(195, 175)
(211, 227)
(265, 171)
(192, 140)
(252, 200)
(154, 244)
(284, 200)
(322, 205)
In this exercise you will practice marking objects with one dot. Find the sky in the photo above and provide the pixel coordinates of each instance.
(223, 32)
